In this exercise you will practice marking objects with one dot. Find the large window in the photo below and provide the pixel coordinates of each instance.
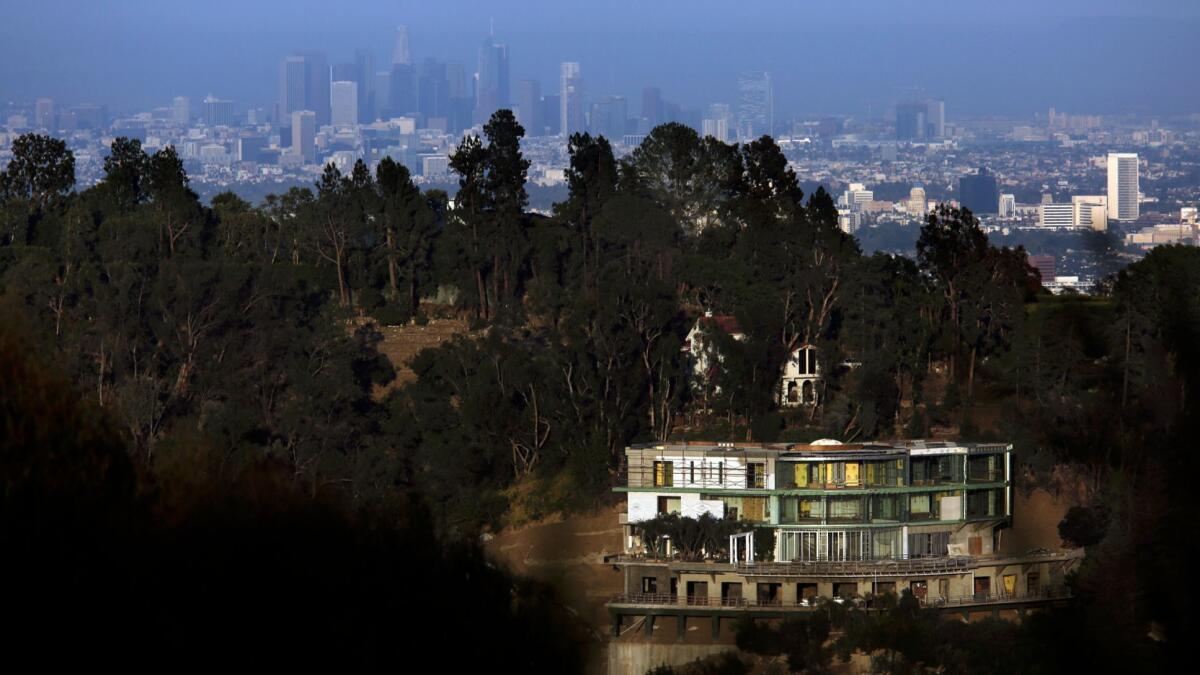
(888, 473)
(984, 503)
(756, 475)
(801, 509)
(885, 508)
(936, 470)
(754, 509)
(928, 544)
(664, 474)
(812, 545)
(845, 508)
(985, 468)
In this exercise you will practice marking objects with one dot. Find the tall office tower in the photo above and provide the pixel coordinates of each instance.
(433, 92)
(756, 106)
(43, 114)
(462, 107)
(911, 121)
(917, 205)
(529, 107)
(217, 112)
(551, 108)
(181, 110)
(491, 92)
(400, 53)
(317, 89)
(304, 85)
(364, 67)
(718, 122)
(979, 192)
(344, 103)
(570, 102)
(402, 90)
(1008, 205)
(383, 93)
(608, 119)
(1122, 186)
(304, 135)
(935, 116)
(293, 86)
(652, 107)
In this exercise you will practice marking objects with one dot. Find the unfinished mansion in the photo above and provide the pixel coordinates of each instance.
(848, 521)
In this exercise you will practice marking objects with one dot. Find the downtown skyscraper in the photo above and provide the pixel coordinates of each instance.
(304, 85)
(756, 106)
(491, 87)
(570, 99)
(1123, 186)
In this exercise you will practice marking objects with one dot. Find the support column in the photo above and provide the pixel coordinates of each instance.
(649, 625)
(716, 626)
(680, 626)
(616, 625)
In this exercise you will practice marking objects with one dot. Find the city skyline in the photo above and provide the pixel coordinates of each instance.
(692, 62)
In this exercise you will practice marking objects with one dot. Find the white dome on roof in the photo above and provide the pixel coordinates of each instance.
(826, 441)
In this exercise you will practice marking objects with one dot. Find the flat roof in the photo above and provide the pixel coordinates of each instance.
(821, 448)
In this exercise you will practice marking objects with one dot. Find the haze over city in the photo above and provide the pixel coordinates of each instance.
(610, 337)
(1100, 56)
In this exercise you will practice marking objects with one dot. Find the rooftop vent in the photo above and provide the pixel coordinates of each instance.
(827, 441)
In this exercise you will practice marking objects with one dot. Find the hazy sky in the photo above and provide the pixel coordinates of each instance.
(982, 56)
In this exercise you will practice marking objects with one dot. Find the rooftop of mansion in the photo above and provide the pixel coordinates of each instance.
(817, 449)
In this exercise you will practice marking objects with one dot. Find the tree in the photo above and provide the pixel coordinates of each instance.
(409, 225)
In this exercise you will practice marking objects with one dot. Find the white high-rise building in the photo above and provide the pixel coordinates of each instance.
(1008, 206)
(570, 102)
(400, 53)
(1091, 211)
(1122, 186)
(1056, 215)
(917, 205)
(304, 135)
(181, 110)
(343, 97)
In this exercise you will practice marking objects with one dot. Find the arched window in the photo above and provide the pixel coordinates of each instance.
(793, 395)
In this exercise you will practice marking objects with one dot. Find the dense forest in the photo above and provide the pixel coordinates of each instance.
(188, 381)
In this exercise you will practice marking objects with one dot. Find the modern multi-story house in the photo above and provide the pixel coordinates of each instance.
(849, 520)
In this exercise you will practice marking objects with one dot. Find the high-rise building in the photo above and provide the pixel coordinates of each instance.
(1008, 206)
(855, 198)
(718, 123)
(402, 90)
(43, 114)
(304, 85)
(1044, 264)
(491, 91)
(529, 107)
(217, 112)
(911, 121)
(293, 85)
(1091, 211)
(756, 106)
(181, 110)
(1122, 186)
(1056, 215)
(364, 67)
(917, 204)
(609, 115)
(551, 111)
(344, 103)
(935, 116)
(652, 107)
(433, 92)
(570, 99)
(400, 52)
(979, 193)
(304, 135)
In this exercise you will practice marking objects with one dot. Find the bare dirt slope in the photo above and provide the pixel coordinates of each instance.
(401, 343)
(568, 553)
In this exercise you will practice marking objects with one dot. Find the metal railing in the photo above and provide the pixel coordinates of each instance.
(663, 599)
